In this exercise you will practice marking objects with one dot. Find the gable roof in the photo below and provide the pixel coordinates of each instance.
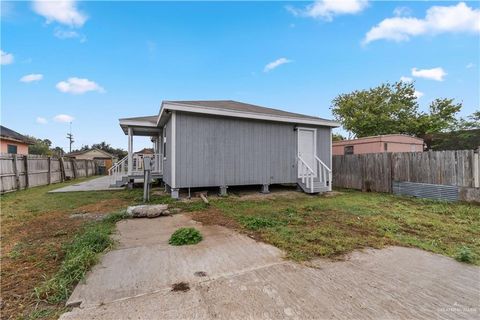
(76, 153)
(147, 125)
(13, 135)
(241, 107)
(242, 110)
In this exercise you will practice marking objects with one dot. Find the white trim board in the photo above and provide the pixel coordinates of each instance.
(172, 139)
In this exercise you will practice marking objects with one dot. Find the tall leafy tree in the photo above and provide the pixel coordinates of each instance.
(392, 108)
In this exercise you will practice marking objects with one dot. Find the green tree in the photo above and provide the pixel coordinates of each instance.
(44, 148)
(39, 146)
(472, 122)
(392, 108)
(337, 137)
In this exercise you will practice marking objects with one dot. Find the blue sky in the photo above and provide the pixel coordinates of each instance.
(124, 58)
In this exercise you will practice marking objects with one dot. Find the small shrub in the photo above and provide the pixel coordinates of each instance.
(256, 223)
(185, 236)
(465, 254)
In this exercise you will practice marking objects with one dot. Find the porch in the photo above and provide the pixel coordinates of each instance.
(131, 168)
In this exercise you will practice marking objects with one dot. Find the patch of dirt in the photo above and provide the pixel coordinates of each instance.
(180, 286)
(103, 206)
(200, 274)
(331, 194)
(214, 217)
(290, 194)
(32, 252)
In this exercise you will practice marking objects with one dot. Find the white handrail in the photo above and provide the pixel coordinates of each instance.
(326, 174)
(306, 173)
(116, 164)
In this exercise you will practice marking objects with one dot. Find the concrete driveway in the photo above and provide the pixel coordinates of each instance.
(97, 184)
(231, 276)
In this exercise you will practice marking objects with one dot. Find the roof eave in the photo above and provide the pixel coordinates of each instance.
(168, 105)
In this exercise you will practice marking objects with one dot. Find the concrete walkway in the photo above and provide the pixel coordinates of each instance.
(98, 184)
(231, 276)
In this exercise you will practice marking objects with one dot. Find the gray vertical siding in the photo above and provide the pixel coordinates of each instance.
(167, 163)
(215, 151)
(324, 142)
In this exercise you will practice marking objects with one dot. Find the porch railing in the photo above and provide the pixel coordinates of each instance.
(120, 169)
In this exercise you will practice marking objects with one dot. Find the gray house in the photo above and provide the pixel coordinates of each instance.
(229, 143)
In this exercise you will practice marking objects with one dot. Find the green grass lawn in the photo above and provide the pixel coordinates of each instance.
(45, 252)
(315, 226)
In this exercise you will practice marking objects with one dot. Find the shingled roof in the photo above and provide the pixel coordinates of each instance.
(242, 107)
(13, 135)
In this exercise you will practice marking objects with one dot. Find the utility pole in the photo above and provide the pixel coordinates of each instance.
(70, 137)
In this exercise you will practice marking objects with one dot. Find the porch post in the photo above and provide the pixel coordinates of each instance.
(157, 153)
(130, 150)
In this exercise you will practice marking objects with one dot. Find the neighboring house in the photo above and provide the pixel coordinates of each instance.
(103, 159)
(378, 144)
(13, 142)
(229, 143)
(139, 155)
(145, 151)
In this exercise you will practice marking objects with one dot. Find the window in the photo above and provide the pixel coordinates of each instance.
(385, 146)
(11, 148)
(348, 150)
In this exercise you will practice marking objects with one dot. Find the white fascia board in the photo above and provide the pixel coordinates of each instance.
(137, 123)
(243, 114)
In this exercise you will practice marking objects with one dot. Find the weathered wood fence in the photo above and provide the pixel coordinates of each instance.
(377, 171)
(25, 171)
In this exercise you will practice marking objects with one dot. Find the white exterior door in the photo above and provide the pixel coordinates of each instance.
(306, 147)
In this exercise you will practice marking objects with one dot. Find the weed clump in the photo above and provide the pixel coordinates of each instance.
(185, 236)
(257, 223)
(465, 254)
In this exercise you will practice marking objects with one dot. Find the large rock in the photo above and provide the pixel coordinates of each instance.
(148, 211)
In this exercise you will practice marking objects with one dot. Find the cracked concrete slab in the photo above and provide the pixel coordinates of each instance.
(249, 279)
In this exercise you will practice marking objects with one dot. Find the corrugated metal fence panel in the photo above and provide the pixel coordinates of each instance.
(426, 190)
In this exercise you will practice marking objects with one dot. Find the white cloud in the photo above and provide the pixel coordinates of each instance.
(41, 120)
(438, 19)
(63, 118)
(78, 86)
(418, 94)
(327, 9)
(274, 64)
(31, 77)
(470, 65)
(436, 74)
(406, 79)
(61, 11)
(5, 58)
(69, 34)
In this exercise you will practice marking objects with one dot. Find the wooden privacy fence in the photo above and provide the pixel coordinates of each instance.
(377, 171)
(25, 171)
